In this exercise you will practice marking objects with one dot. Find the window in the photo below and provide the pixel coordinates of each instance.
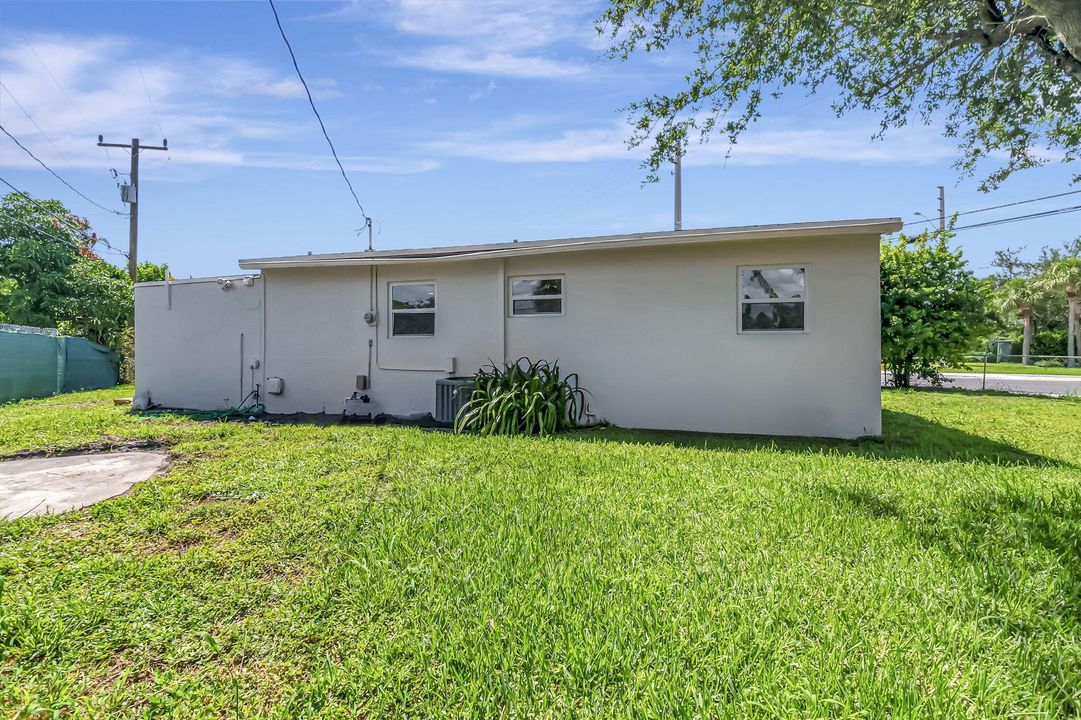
(412, 309)
(536, 296)
(773, 299)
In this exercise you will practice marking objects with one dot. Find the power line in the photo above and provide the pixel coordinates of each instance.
(35, 124)
(998, 207)
(53, 77)
(71, 225)
(149, 100)
(318, 117)
(50, 213)
(1018, 218)
(32, 199)
(68, 242)
(53, 173)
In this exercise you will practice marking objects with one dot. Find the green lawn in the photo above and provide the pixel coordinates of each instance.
(299, 571)
(1017, 368)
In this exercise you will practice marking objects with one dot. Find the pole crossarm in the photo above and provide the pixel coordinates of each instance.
(133, 215)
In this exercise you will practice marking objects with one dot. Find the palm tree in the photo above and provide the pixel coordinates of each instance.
(1066, 275)
(1017, 296)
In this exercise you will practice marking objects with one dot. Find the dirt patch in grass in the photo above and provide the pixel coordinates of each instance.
(89, 403)
(98, 447)
(210, 537)
(227, 496)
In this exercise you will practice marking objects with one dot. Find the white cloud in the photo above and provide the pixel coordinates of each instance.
(237, 76)
(764, 145)
(498, 37)
(453, 58)
(606, 143)
(215, 109)
(481, 94)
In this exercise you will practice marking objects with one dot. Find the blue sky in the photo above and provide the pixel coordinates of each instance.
(459, 121)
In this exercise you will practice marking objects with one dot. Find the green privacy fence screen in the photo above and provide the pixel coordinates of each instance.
(35, 362)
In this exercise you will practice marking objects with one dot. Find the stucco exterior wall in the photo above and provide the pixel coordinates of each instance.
(653, 333)
(193, 341)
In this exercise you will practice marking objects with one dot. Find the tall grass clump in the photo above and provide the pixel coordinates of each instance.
(522, 398)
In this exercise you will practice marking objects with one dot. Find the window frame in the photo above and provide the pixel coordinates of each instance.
(806, 299)
(562, 296)
(434, 311)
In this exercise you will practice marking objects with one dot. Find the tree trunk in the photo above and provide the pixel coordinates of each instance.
(1071, 335)
(906, 372)
(1026, 342)
(1065, 17)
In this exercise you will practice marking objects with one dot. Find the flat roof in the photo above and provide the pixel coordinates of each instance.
(870, 226)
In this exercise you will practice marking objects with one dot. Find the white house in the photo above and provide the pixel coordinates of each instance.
(770, 329)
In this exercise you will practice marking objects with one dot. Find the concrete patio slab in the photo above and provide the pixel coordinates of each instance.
(36, 486)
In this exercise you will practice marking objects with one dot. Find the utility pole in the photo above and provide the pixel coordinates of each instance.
(678, 210)
(941, 208)
(132, 197)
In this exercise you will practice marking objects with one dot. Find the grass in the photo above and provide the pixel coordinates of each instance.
(293, 571)
(1009, 368)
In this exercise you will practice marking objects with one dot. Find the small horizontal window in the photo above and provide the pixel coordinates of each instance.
(412, 309)
(773, 299)
(536, 296)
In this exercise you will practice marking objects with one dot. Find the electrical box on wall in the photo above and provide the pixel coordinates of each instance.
(275, 385)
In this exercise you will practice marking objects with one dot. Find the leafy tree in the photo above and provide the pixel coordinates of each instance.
(1004, 74)
(1065, 275)
(1016, 296)
(1049, 313)
(101, 305)
(50, 276)
(39, 243)
(150, 272)
(934, 310)
(7, 286)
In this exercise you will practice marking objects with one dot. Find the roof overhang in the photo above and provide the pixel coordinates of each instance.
(873, 226)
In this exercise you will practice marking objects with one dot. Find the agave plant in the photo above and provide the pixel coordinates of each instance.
(522, 398)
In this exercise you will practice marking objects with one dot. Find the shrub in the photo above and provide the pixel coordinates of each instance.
(522, 398)
(934, 310)
(1044, 342)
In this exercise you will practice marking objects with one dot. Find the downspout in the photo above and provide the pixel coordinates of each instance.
(240, 398)
(262, 356)
(503, 309)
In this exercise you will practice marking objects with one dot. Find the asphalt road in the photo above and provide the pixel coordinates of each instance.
(1026, 384)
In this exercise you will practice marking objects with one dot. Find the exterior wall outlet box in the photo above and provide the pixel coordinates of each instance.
(275, 385)
(362, 382)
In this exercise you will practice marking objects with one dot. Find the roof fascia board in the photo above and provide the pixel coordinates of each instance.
(685, 237)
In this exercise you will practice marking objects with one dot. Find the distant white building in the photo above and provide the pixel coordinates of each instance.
(770, 329)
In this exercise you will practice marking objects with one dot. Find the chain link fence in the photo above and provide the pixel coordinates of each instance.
(1005, 371)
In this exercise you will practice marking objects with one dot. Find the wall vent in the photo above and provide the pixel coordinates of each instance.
(450, 395)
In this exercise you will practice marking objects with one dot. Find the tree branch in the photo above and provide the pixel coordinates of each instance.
(1027, 25)
(1061, 59)
(994, 30)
